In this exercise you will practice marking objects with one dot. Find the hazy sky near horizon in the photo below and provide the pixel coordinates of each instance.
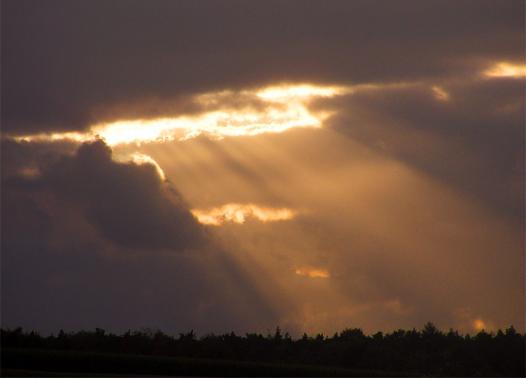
(234, 165)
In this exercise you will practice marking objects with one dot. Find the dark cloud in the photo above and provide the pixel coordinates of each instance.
(90, 242)
(68, 64)
(19, 158)
(124, 201)
(474, 140)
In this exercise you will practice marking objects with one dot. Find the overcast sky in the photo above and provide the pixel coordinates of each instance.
(238, 165)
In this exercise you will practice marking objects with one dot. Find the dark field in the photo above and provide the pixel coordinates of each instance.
(31, 362)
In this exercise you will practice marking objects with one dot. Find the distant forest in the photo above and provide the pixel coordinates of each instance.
(421, 352)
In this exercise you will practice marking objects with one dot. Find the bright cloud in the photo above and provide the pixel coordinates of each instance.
(281, 108)
(504, 69)
(239, 213)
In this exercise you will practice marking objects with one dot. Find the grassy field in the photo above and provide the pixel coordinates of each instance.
(34, 362)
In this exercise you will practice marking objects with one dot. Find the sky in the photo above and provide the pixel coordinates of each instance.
(236, 166)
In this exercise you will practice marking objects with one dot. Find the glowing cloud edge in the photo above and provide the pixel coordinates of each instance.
(284, 107)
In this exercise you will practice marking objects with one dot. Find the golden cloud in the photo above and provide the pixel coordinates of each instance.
(505, 69)
(280, 108)
(239, 213)
(312, 272)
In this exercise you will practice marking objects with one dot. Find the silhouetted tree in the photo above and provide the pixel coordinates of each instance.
(428, 352)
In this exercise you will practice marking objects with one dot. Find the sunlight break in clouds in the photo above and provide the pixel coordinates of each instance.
(504, 69)
(239, 213)
(284, 107)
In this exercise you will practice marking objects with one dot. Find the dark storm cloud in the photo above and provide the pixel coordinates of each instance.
(17, 158)
(124, 201)
(78, 281)
(88, 241)
(68, 64)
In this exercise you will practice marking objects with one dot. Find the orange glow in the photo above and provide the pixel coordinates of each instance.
(504, 69)
(282, 108)
(239, 213)
(439, 93)
(479, 324)
(312, 273)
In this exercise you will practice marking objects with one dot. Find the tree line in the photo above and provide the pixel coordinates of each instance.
(427, 351)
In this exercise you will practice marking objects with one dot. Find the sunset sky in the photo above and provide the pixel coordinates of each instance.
(238, 165)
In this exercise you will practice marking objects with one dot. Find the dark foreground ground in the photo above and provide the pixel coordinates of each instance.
(350, 353)
(35, 362)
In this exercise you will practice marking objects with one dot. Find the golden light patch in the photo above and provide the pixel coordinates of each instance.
(312, 272)
(239, 213)
(504, 69)
(273, 109)
(479, 325)
(439, 93)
